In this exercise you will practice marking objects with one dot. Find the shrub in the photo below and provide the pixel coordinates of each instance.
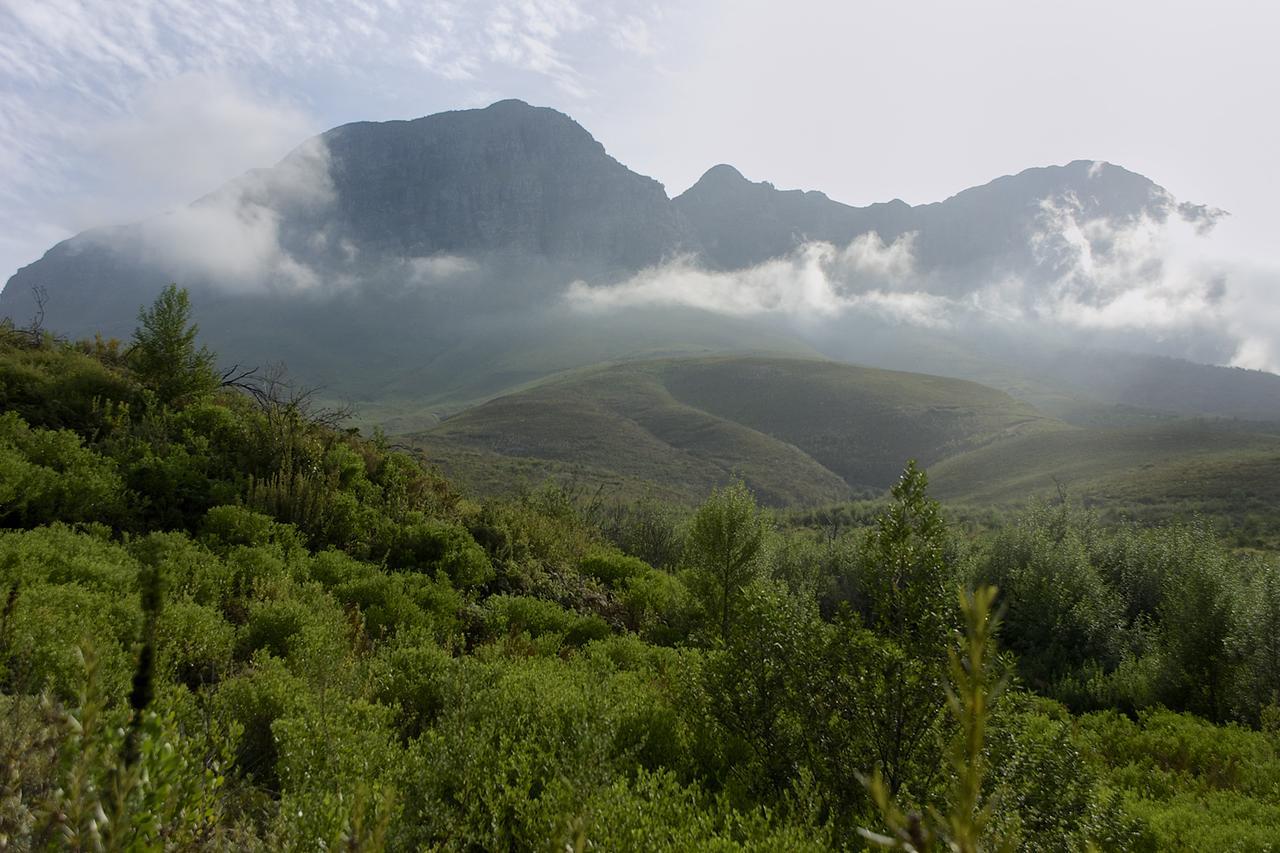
(251, 702)
(49, 626)
(194, 644)
(514, 614)
(58, 554)
(659, 606)
(187, 568)
(48, 476)
(227, 526)
(611, 567)
(440, 546)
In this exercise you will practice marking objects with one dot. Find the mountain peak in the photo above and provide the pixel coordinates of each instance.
(722, 173)
(510, 104)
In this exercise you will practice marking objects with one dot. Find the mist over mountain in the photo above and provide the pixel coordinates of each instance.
(447, 258)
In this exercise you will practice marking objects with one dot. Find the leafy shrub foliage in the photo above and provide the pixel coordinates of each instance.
(226, 623)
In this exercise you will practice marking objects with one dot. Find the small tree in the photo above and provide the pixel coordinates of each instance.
(880, 690)
(758, 683)
(974, 686)
(164, 352)
(725, 550)
(905, 573)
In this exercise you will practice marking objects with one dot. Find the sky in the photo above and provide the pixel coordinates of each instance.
(115, 110)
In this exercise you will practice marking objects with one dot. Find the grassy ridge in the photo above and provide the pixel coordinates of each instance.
(1223, 471)
(809, 432)
(1188, 460)
(799, 431)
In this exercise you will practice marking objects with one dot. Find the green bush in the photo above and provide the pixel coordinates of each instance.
(612, 568)
(515, 614)
(194, 644)
(251, 702)
(659, 606)
(227, 526)
(335, 764)
(49, 627)
(58, 388)
(60, 555)
(431, 546)
(187, 568)
(1061, 614)
(413, 676)
(49, 476)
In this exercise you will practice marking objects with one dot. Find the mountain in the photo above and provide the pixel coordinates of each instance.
(508, 178)
(421, 266)
(398, 203)
(977, 232)
(740, 223)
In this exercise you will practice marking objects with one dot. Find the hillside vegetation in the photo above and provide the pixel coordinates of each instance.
(806, 432)
(797, 431)
(226, 624)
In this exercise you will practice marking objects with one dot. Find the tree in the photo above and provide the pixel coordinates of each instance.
(164, 351)
(880, 690)
(1196, 622)
(757, 684)
(974, 687)
(725, 550)
(905, 573)
(1064, 619)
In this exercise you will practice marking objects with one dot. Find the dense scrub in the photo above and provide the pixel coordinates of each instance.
(228, 624)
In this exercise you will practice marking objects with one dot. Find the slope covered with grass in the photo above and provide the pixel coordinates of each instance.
(1222, 469)
(798, 431)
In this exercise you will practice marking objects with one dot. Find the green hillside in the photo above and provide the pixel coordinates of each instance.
(1218, 468)
(796, 430)
(805, 432)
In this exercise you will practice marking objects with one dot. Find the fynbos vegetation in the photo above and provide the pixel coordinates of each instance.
(230, 624)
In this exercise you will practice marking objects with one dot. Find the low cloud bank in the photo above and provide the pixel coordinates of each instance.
(235, 237)
(817, 280)
(1159, 281)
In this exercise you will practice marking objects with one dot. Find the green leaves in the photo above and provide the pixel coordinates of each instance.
(973, 689)
(724, 551)
(904, 572)
(48, 476)
(164, 353)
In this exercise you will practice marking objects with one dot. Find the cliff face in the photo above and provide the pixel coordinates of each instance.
(740, 223)
(377, 205)
(507, 178)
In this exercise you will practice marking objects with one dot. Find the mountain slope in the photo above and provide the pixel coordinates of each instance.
(797, 430)
(1224, 470)
(809, 432)
(981, 231)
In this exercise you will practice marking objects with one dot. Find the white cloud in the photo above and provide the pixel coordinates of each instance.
(438, 268)
(1151, 281)
(816, 281)
(188, 134)
(633, 35)
(233, 238)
